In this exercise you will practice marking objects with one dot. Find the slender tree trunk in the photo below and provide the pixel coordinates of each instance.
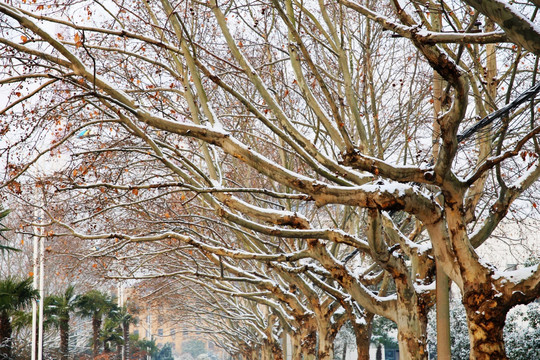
(64, 339)
(285, 345)
(96, 325)
(125, 334)
(443, 315)
(442, 305)
(378, 354)
(344, 351)
(5, 336)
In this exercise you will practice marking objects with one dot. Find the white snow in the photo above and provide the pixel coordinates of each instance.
(516, 276)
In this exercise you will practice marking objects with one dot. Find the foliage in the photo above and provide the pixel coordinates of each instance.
(14, 295)
(94, 303)
(3, 228)
(344, 340)
(384, 332)
(149, 346)
(193, 347)
(522, 333)
(459, 337)
(165, 353)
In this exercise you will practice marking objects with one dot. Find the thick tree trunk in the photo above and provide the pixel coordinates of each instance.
(309, 345)
(486, 335)
(486, 318)
(412, 344)
(5, 336)
(326, 344)
(412, 326)
(271, 350)
(296, 348)
(362, 335)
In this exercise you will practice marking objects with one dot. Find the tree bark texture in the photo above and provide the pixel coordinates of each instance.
(64, 339)
(96, 325)
(5, 335)
(486, 318)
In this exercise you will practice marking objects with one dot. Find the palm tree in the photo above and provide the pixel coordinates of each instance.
(14, 295)
(3, 214)
(111, 334)
(124, 318)
(58, 309)
(94, 304)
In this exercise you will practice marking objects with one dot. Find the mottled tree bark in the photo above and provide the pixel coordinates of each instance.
(516, 26)
(362, 335)
(486, 316)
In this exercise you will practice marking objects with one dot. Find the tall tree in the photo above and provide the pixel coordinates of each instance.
(123, 319)
(58, 310)
(268, 143)
(14, 295)
(95, 305)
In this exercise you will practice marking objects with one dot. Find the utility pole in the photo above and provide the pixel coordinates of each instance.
(34, 285)
(38, 283)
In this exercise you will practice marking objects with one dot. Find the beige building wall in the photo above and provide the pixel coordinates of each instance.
(160, 323)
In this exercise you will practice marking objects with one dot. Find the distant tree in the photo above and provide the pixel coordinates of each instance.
(14, 295)
(148, 347)
(344, 337)
(378, 354)
(165, 353)
(384, 332)
(124, 319)
(95, 305)
(193, 347)
(58, 309)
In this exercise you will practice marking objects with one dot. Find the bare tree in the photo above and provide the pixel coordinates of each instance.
(291, 137)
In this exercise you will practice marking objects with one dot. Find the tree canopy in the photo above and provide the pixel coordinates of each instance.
(300, 163)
